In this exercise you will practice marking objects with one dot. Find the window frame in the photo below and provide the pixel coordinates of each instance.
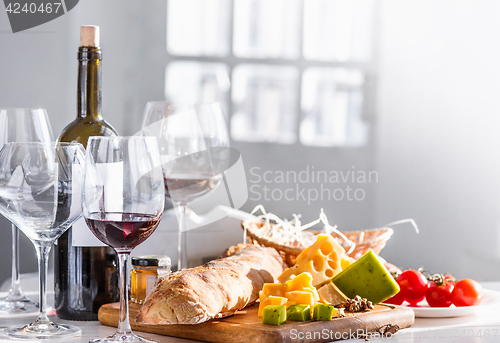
(367, 68)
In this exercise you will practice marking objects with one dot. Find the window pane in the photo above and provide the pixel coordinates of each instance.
(338, 30)
(264, 103)
(332, 100)
(187, 81)
(198, 27)
(264, 28)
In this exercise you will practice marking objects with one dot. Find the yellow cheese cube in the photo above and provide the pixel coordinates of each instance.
(323, 260)
(302, 282)
(271, 300)
(276, 289)
(297, 290)
(299, 298)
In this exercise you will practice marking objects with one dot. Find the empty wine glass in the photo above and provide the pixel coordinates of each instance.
(192, 140)
(21, 125)
(40, 192)
(123, 202)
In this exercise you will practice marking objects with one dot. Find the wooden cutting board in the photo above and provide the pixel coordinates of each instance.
(244, 326)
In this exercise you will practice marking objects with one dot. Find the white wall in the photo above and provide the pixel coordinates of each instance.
(438, 134)
(38, 67)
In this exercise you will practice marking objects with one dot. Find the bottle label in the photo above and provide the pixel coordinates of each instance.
(111, 175)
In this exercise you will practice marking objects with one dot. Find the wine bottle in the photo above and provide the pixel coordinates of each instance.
(85, 270)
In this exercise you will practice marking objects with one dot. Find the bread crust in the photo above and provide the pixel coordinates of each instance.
(215, 290)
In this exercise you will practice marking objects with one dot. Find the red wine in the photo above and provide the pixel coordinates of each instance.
(186, 187)
(122, 231)
(85, 275)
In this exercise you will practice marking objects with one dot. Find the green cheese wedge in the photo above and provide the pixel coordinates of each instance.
(368, 278)
(299, 313)
(274, 315)
(323, 312)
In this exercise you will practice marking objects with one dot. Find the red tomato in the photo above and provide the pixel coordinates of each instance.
(396, 299)
(413, 285)
(416, 301)
(450, 279)
(439, 295)
(467, 292)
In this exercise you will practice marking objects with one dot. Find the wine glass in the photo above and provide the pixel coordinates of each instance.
(192, 140)
(21, 125)
(40, 192)
(123, 202)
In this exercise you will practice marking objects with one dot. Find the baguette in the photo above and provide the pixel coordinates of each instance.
(215, 290)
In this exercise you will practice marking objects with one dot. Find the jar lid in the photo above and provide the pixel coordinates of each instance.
(151, 261)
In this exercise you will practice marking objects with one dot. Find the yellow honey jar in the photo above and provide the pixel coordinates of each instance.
(145, 271)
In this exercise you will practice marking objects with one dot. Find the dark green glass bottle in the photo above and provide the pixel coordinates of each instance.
(85, 275)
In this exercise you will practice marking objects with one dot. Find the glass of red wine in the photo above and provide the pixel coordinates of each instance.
(123, 202)
(40, 192)
(193, 141)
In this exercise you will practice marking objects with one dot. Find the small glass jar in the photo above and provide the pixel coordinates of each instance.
(146, 270)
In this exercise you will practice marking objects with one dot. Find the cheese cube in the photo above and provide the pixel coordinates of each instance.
(276, 289)
(300, 313)
(271, 300)
(323, 312)
(323, 260)
(302, 282)
(299, 298)
(298, 290)
(274, 315)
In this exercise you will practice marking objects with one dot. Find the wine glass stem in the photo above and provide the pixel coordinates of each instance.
(182, 239)
(124, 323)
(42, 252)
(15, 291)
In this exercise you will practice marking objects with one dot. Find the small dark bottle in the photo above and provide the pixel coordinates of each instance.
(85, 271)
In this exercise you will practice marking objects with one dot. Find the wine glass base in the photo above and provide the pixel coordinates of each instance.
(42, 331)
(123, 338)
(20, 305)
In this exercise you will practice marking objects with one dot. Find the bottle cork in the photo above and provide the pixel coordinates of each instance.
(89, 35)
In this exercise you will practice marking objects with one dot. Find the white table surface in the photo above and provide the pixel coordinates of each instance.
(460, 329)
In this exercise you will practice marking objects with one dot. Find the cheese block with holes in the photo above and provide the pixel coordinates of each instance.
(323, 260)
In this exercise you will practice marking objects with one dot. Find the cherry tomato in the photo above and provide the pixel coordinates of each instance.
(467, 292)
(396, 299)
(439, 295)
(416, 301)
(413, 285)
(450, 279)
